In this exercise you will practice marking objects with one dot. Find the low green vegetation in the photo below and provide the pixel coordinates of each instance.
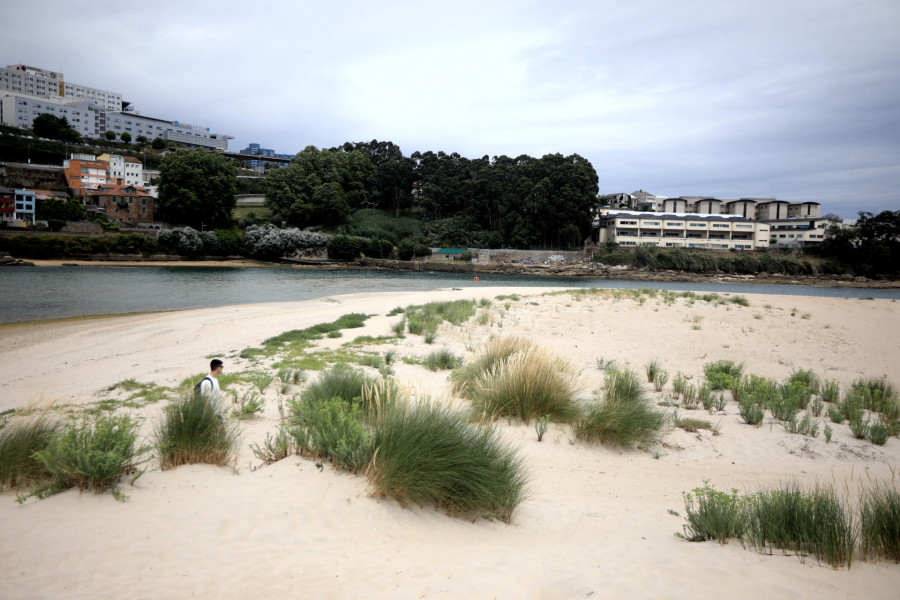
(91, 454)
(298, 339)
(442, 359)
(721, 374)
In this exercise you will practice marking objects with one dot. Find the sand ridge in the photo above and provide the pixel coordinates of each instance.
(598, 522)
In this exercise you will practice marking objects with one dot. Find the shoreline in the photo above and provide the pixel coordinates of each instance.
(570, 272)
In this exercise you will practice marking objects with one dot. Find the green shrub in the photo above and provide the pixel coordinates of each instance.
(344, 247)
(340, 381)
(830, 392)
(191, 431)
(92, 454)
(623, 417)
(19, 440)
(526, 385)
(713, 515)
(807, 378)
(333, 429)
(275, 447)
(247, 405)
(878, 434)
(751, 411)
(721, 374)
(430, 454)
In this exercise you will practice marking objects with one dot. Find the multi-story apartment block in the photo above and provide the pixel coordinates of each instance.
(123, 170)
(20, 111)
(680, 230)
(26, 92)
(797, 231)
(192, 135)
(85, 173)
(31, 81)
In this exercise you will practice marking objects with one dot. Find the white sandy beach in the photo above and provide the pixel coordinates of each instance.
(597, 523)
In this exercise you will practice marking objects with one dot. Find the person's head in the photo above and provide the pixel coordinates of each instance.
(215, 366)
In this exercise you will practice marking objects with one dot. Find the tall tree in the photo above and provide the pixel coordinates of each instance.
(55, 128)
(196, 188)
(320, 186)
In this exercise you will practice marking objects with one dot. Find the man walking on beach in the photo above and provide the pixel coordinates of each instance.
(209, 387)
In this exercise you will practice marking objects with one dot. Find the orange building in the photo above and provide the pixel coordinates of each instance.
(84, 173)
(127, 204)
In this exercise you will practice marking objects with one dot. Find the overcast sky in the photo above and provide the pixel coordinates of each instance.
(794, 99)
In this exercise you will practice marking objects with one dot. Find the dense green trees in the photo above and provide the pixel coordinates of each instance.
(196, 188)
(320, 186)
(870, 248)
(523, 202)
(54, 128)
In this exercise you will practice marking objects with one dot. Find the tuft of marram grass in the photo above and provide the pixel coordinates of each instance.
(494, 351)
(191, 431)
(442, 359)
(526, 385)
(624, 415)
(429, 454)
(19, 440)
(879, 521)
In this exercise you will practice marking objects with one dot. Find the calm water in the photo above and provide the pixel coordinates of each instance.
(31, 293)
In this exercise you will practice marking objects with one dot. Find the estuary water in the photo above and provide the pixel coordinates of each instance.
(34, 293)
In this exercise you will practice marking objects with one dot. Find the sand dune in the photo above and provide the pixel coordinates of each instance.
(598, 522)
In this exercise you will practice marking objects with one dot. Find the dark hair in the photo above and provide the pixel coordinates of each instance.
(215, 364)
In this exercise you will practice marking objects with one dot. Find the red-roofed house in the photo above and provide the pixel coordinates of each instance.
(124, 203)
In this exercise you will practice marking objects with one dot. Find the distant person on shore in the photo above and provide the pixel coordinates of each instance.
(209, 387)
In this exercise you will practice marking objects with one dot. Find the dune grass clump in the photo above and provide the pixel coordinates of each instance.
(494, 351)
(525, 385)
(192, 431)
(787, 518)
(19, 440)
(91, 454)
(430, 454)
(879, 522)
(341, 381)
(814, 522)
(652, 368)
(623, 416)
(721, 374)
(442, 359)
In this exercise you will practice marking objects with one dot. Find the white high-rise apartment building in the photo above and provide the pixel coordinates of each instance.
(31, 81)
(26, 92)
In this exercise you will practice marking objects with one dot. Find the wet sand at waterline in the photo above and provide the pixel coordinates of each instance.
(597, 523)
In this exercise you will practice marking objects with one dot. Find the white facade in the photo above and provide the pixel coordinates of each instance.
(797, 232)
(681, 230)
(20, 111)
(26, 92)
(151, 128)
(31, 81)
(123, 170)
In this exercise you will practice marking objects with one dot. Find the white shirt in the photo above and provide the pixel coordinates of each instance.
(209, 388)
